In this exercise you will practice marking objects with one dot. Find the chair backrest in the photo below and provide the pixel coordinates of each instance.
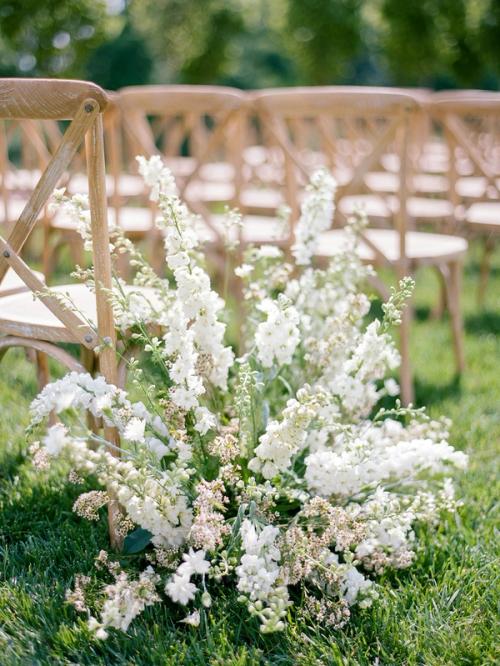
(82, 104)
(194, 128)
(351, 130)
(470, 121)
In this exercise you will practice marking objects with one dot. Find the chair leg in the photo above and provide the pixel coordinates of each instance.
(484, 271)
(441, 304)
(406, 380)
(88, 360)
(42, 370)
(454, 285)
(76, 249)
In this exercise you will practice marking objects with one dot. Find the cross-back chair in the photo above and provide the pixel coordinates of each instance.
(20, 168)
(60, 229)
(198, 132)
(470, 121)
(354, 132)
(35, 318)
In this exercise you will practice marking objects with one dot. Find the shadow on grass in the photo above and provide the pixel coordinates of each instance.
(427, 394)
(474, 268)
(422, 313)
(483, 322)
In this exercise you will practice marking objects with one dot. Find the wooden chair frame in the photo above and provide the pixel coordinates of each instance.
(188, 105)
(82, 103)
(449, 110)
(277, 107)
(399, 113)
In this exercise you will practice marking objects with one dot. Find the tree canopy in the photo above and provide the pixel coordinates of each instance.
(254, 43)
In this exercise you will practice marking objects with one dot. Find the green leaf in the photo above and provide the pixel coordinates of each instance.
(136, 541)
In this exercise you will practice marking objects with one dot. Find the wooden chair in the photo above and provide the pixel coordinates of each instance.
(42, 323)
(470, 121)
(197, 131)
(352, 132)
(60, 230)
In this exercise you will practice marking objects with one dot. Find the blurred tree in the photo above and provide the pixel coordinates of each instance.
(188, 37)
(122, 61)
(489, 35)
(324, 36)
(50, 37)
(254, 43)
(433, 39)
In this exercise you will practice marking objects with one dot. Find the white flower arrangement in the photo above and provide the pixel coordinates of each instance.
(273, 471)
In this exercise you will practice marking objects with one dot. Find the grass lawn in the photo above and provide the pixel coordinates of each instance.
(441, 611)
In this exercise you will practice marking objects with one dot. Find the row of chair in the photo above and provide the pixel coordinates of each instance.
(256, 150)
(407, 156)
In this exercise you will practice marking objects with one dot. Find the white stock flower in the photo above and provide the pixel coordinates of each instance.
(278, 336)
(55, 439)
(180, 589)
(134, 430)
(316, 215)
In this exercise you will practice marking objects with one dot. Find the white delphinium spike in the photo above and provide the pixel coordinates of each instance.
(198, 328)
(278, 336)
(316, 216)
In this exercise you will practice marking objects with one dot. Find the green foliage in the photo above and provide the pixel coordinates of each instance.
(122, 61)
(255, 43)
(442, 611)
(433, 38)
(324, 37)
(189, 39)
(52, 37)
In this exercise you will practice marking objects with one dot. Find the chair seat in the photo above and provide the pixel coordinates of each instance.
(256, 229)
(22, 180)
(375, 206)
(422, 183)
(484, 216)
(425, 208)
(24, 315)
(471, 187)
(12, 283)
(379, 207)
(209, 191)
(264, 201)
(127, 186)
(183, 167)
(421, 248)
(134, 220)
(13, 210)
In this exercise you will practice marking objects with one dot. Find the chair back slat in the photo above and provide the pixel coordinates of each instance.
(82, 103)
(350, 130)
(470, 121)
(71, 141)
(190, 127)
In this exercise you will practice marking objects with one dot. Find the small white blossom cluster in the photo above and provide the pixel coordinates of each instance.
(278, 336)
(180, 588)
(154, 501)
(316, 216)
(125, 600)
(374, 454)
(84, 392)
(282, 439)
(259, 576)
(274, 472)
(77, 210)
